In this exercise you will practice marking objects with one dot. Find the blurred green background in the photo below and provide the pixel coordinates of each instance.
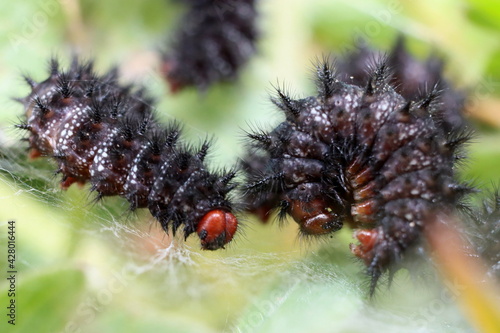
(95, 268)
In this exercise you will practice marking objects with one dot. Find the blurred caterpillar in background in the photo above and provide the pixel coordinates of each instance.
(103, 133)
(214, 40)
(361, 155)
(409, 77)
(485, 233)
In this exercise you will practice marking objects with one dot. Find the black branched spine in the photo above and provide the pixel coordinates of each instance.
(101, 132)
(364, 156)
(215, 39)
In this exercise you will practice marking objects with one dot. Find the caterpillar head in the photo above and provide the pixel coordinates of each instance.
(216, 229)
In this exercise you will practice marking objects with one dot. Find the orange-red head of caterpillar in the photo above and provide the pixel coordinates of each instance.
(216, 229)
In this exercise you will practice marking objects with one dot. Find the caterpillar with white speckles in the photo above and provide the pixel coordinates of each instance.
(363, 156)
(101, 132)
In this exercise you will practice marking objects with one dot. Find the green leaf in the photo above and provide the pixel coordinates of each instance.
(485, 13)
(45, 303)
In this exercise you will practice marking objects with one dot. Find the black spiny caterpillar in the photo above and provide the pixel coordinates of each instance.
(105, 133)
(362, 156)
(214, 40)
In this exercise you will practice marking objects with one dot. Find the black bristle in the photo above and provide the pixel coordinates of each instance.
(459, 137)
(202, 152)
(64, 85)
(40, 105)
(129, 130)
(283, 209)
(262, 138)
(430, 98)
(96, 113)
(285, 103)
(23, 126)
(115, 106)
(379, 78)
(90, 87)
(227, 177)
(325, 78)
(54, 67)
(29, 81)
(265, 182)
(173, 135)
